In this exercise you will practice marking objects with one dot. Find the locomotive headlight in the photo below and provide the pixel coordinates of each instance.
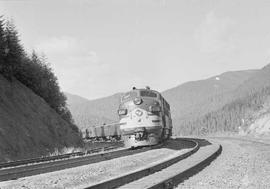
(137, 101)
(138, 112)
(154, 108)
(122, 111)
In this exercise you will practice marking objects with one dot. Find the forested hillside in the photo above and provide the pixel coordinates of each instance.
(188, 101)
(250, 103)
(194, 99)
(31, 70)
(34, 118)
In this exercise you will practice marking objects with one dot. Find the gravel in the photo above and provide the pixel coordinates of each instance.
(83, 176)
(242, 164)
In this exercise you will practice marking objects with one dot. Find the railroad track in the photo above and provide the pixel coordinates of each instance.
(58, 157)
(162, 174)
(258, 141)
(11, 173)
(170, 171)
(28, 167)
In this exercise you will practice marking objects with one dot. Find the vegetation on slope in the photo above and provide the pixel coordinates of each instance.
(233, 117)
(29, 127)
(196, 98)
(31, 70)
(218, 104)
(34, 118)
(237, 115)
(188, 101)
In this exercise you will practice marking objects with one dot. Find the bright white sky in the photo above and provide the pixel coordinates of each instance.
(100, 47)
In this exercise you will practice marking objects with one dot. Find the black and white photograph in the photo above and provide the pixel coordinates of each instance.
(134, 94)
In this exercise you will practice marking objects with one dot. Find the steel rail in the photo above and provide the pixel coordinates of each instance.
(257, 141)
(53, 158)
(129, 177)
(182, 174)
(49, 166)
(34, 169)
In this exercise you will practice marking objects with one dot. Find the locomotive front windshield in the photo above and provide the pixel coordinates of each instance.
(129, 96)
(148, 93)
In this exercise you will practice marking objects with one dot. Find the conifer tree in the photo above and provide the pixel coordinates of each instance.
(2, 44)
(32, 71)
(14, 51)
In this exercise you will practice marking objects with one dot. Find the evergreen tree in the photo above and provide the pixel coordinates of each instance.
(14, 51)
(2, 44)
(87, 135)
(33, 71)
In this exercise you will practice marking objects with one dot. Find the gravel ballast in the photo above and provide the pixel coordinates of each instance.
(84, 176)
(242, 164)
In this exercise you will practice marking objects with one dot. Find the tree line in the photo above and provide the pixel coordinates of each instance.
(32, 70)
(238, 114)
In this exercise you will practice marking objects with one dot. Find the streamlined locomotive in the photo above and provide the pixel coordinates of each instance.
(145, 118)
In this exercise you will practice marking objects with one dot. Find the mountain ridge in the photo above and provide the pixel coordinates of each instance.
(187, 100)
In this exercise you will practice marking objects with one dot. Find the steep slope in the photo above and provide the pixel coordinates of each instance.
(258, 123)
(28, 126)
(87, 113)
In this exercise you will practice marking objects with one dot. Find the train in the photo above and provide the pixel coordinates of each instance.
(105, 132)
(144, 118)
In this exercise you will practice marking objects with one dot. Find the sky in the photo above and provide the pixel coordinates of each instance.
(100, 47)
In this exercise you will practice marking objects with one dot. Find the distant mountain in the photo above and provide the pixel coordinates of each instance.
(247, 113)
(259, 80)
(188, 101)
(87, 113)
(196, 98)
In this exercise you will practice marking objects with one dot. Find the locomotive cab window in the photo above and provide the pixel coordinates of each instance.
(129, 96)
(148, 94)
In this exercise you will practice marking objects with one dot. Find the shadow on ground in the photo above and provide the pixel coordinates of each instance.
(184, 143)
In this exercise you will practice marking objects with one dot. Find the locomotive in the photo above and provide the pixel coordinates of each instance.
(145, 118)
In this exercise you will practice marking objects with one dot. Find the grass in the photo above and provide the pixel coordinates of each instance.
(65, 150)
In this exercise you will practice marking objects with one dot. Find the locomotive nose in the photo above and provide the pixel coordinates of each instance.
(139, 113)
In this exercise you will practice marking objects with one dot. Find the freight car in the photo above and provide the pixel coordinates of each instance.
(105, 132)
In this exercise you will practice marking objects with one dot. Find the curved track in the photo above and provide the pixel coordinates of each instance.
(138, 178)
(58, 157)
(129, 177)
(254, 140)
(168, 177)
(12, 173)
(18, 169)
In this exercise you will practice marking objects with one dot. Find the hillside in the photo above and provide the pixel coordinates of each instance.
(259, 80)
(198, 106)
(195, 98)
(188, 101)
(29, 127)
(87, 113)
(248, 113)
